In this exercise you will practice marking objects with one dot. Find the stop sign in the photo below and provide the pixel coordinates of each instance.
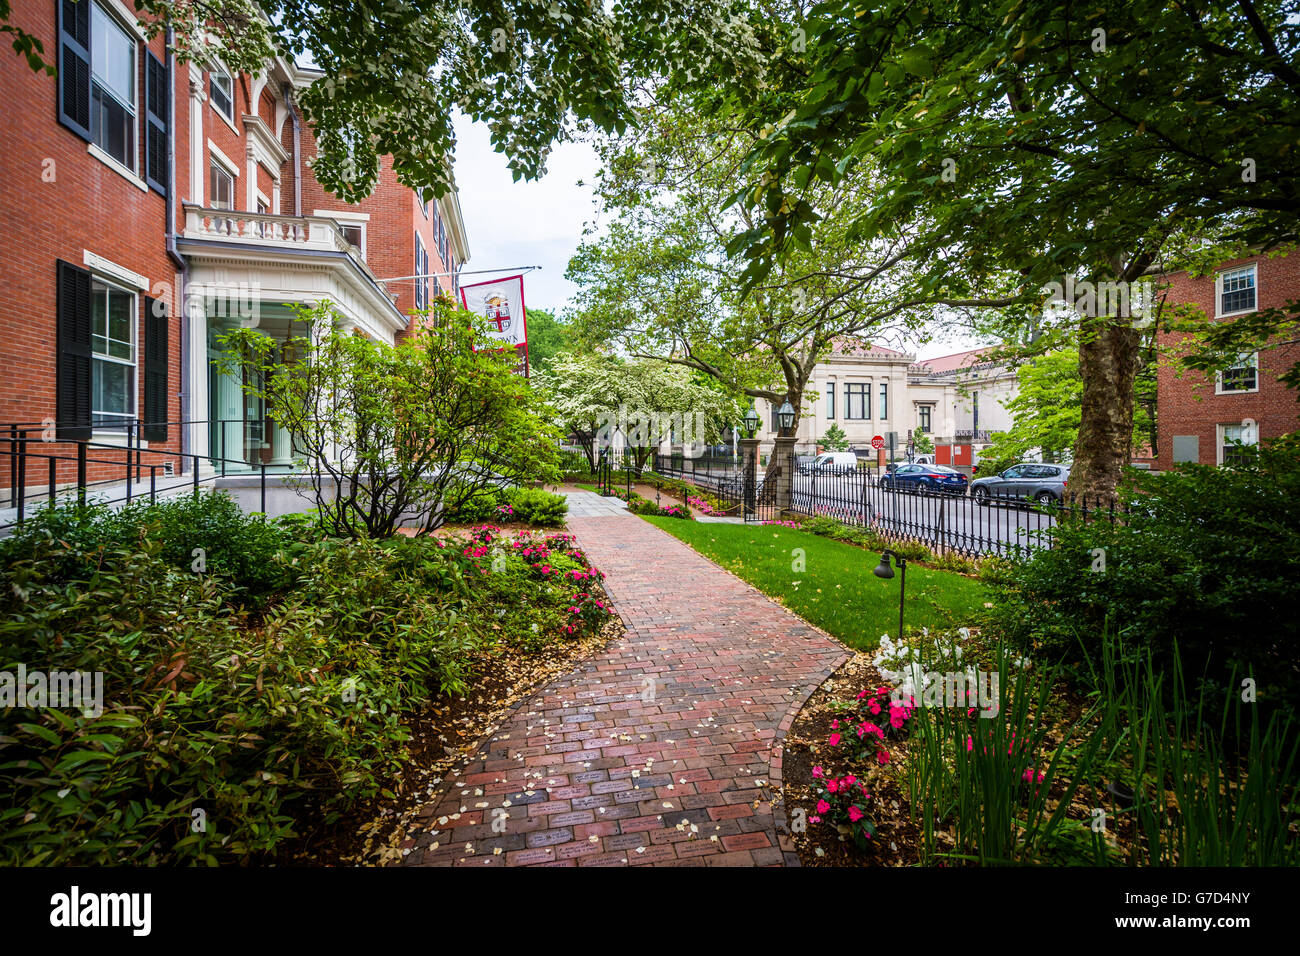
(878, 442)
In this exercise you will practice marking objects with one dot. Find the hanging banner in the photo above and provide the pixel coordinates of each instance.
(501, 302)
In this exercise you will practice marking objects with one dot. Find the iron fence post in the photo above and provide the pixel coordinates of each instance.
(81, 473)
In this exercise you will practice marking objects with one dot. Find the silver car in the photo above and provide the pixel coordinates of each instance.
(1028, 481)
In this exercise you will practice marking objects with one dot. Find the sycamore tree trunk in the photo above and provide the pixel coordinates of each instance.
(1109, 359)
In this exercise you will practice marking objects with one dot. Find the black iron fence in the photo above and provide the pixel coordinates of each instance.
(998, 523)
(46, 470)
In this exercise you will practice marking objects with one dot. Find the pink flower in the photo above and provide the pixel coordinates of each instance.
(817, 772)
(855, 814)
(814, 819)
(882, 757)
(823, 806)
(832, 786)
(834, 740)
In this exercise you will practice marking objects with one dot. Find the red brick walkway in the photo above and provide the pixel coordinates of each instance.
(663, 750)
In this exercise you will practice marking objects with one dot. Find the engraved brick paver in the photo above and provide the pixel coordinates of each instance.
(668, 739)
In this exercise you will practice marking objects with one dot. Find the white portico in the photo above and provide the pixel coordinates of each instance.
(250, 270)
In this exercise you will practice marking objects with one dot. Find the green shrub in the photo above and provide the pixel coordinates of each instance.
(537, 506)
(1204, 558)
(207, 528)
(245, 720)
(205, 717)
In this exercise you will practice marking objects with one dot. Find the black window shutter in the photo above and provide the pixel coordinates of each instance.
(73, 364)
(74, 66)
(157, 98)
(155, 370)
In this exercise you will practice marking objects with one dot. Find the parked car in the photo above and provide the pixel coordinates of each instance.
(833, 463)
(925, 479)
(923, 460)
(803, 463)
(1027, 481)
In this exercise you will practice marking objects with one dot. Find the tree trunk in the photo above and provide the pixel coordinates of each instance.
(1109, 357)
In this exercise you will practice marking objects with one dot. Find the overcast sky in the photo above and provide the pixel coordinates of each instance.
(523, 223)
(512, 224)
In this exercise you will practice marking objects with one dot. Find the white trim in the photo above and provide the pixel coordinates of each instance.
(112, 436)
(119, 10)
(117, 167)
(1220, 439)
(1218, 380)
(111, 270)
(263, 197)
(342, 214)
(218, 67)
(1218, 290)
(223, 159)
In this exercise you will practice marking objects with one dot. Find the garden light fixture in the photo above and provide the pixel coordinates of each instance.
(883, 570)
(785, 415)
(751, 422)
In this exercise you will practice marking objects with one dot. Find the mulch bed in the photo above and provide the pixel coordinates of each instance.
(896, 841)
(447, 733)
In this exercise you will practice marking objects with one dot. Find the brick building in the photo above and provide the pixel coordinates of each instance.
(1200, 416)
(149, 205)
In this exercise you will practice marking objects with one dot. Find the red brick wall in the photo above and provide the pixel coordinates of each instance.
(1187, 404)
(56, 202)
(87, 205)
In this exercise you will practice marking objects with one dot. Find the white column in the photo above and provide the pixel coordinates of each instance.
(250, 167)
(275, 195)
(198, 170)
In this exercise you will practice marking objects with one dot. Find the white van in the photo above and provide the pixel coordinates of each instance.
(833, 463)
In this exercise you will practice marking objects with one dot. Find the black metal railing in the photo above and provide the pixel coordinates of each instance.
(996, 523)
(121, 479)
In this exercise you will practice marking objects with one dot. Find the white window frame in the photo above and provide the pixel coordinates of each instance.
(421, 267)
(101, 429)
(1253, 269)
(1221, 438)
(343, 218)
(1218, 378)
(215, 71)
(215, 165)
(116, 13)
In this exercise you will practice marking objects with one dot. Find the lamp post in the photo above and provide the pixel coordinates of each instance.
(750, 446)
(783, 459)
(883, 570)
(785, 417)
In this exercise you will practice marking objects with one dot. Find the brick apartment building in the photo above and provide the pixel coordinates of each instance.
(149, 205)
(1200, 416)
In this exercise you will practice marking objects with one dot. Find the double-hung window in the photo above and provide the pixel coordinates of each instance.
(112, 338)
(884, 400)
(830, 400)
(221, 91)
(112, 87)
(923, 418)
(857, 400)
(422, 272)
(1231, 440)
(1242, 376)
(221, 186)
(1237, 291)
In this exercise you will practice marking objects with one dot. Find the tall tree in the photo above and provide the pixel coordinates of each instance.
(598, 397)
(547, 337)
(1047, 139)
(395, 73)
(662, 279)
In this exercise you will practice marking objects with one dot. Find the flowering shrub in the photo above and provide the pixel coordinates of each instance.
(868, 720)
(784, 524)
(842, 804)
(702, 506)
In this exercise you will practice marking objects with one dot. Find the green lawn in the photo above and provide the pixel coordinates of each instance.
(836, 590)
